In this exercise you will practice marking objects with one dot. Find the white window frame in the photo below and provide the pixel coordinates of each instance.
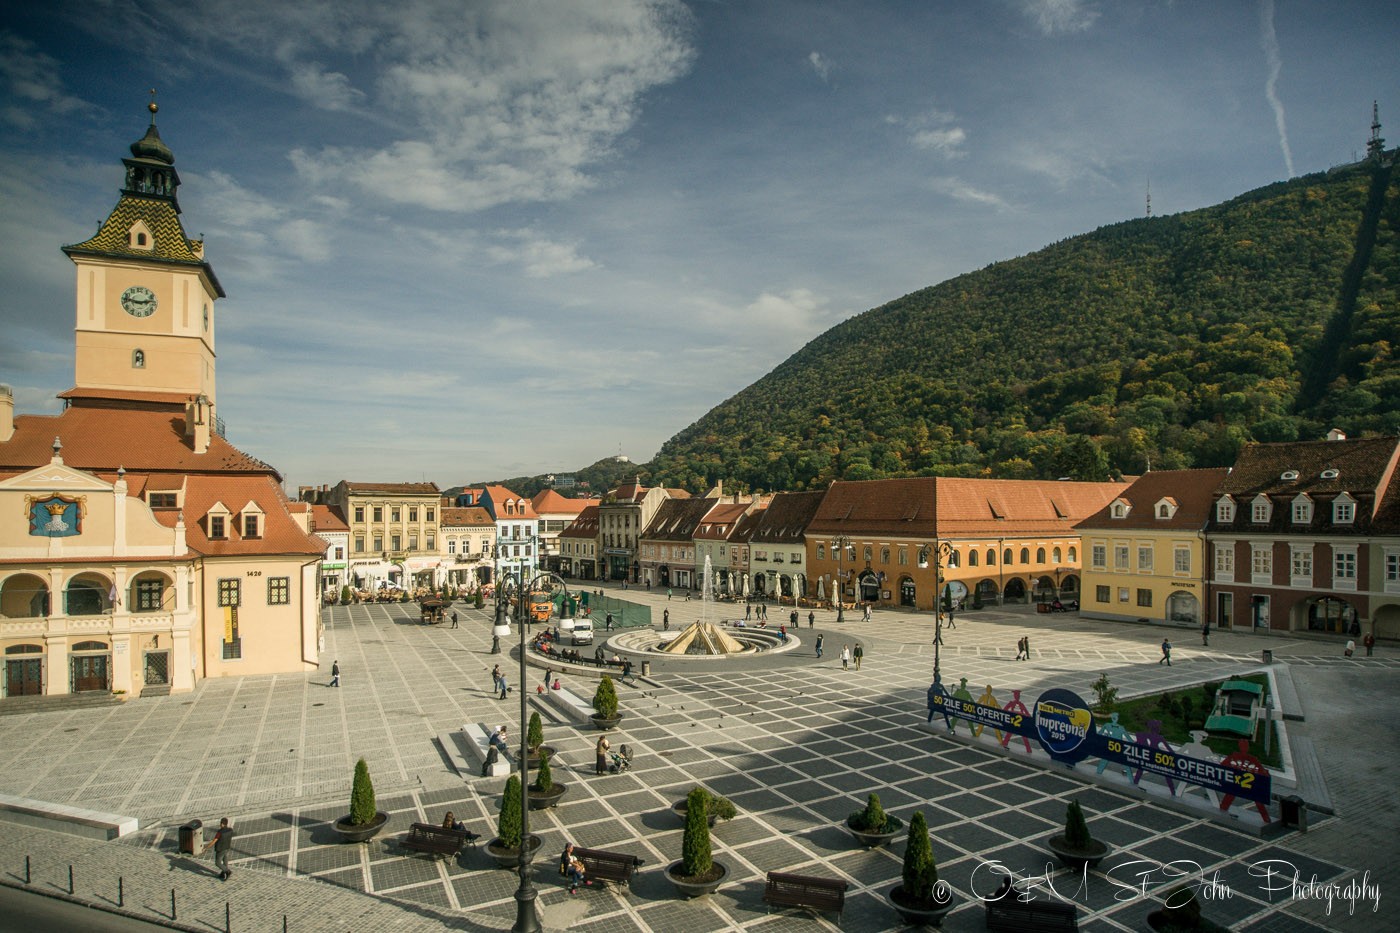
(1302, 510)
(1261, 510)
(1120, 557)
(1145, 558)
(1300, 564)
(1344, 567)
(1098, 556)
(1181, 559)
(1225, 561)
(1261, 563)
(1225, 510)
(1343, 510)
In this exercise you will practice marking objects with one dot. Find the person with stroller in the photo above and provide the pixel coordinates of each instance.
(601, 765)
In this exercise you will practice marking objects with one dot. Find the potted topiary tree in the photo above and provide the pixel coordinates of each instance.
(505, 848)
(697, 872)
(1105, 697)
(920, 897)
(544, 790)
(872, 826)
(716, 807)
(534, 741)
(364, 819)
(1181, 913)
(605, 705)
(1076, 848)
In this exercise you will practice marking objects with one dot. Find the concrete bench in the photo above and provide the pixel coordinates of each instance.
(570, 704)
(64, 818)
(468, 746)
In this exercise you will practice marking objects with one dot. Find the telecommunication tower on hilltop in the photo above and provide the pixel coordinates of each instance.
(1375, 146)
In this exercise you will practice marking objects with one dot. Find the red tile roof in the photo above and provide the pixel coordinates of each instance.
(465, 517)
(1193, 492)
(392, 489)
(585, 526)
(547, 500)
(326, 519)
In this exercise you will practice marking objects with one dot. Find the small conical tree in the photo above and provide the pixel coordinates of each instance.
(362, 806)
(605, 700)
(510, 827)
(534, 733)
(345, 595)
(872, 819)
(920, 870)
(695, 845)
(1076, 828)
(544, 778)
(480, 600)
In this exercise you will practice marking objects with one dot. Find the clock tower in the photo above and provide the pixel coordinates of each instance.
(145, 294)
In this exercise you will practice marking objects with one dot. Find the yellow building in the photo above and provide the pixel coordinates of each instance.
(394, 529)
(1144, 552)
(139, 550)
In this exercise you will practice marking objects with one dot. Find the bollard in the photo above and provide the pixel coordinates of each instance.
(227, 929)
(70, 879)
(121, 895)
(26, 869)
(172, 904)
(284, 923)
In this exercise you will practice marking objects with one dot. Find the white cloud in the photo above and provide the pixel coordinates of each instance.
(31, 78)
(933, 131)
(959, 190)
(820, 64)
(946, 141)
(327, 90)
(540, 258)
(1056, 17)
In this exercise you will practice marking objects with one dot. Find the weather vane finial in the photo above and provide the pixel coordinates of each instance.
(152, 107)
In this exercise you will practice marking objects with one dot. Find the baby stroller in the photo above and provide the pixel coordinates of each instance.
(621, 759)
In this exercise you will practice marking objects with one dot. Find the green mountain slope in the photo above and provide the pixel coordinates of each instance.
(1165, 340)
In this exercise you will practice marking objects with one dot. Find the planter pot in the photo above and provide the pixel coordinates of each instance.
(917, 914)
(545, 800)
(349, 832)
(606, 723)
(533, 761)
(690, 887)
(510, 857)
(871, 840)
(1077, 859)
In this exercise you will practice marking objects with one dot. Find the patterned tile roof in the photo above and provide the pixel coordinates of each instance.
(585, 526)
(1191, 491)
(720, 521)
(1363, 464)
(392, 489)
(549, 501)
(163, 218)
(495, 498)
(278, 532)
(786, 519)
(327, 519)
(677, 519)
(469, 516)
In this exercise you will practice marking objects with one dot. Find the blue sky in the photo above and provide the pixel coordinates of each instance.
(469, 240)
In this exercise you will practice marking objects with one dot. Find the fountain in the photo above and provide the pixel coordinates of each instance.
(703, 637)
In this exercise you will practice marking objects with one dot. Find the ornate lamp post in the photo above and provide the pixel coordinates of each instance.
(840, 544)
(526, 918)
(940, 551)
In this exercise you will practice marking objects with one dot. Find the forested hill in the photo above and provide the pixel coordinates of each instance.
(1168, 341)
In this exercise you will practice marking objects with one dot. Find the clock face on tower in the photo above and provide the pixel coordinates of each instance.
(139, 301)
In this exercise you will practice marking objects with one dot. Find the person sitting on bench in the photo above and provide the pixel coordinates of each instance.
(572, 865)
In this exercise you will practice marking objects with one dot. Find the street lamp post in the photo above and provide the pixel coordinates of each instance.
(840, 544)
(939, 551)
(526, 918)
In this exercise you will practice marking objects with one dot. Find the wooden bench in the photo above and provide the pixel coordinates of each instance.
(569, 703)
(1013, 915)
(467, 747)
(436, 840)
(787, 890)
(616, 867)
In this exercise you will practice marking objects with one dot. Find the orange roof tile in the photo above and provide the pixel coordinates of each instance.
(1193, 492)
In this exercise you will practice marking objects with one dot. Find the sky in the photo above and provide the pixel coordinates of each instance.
(465, 240)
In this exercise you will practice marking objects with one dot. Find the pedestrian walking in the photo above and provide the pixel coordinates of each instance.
(818, 646)
(1369, 642)
(748, 611)
(1350, 648)
(222, 844)
(1166, 653)
(607, 623)
(811, 619)
(857, 653)
(666, 620)
(1205, 635)
(1027, 640)
(782, 633)
(951, 623)
(867, 612)
(845, 657)
(548, 673)
(792, 618)
(668, 594)
(335, 674)
(454, 618)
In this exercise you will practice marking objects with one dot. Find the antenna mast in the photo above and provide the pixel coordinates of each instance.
(1149, 197)
(1375, 146)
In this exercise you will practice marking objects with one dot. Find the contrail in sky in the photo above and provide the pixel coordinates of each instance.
(1270, 43)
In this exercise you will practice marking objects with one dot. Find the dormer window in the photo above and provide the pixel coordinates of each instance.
(1302, 511)
(1329, 474)
(250, 526)
(138, 359)
(1166, 507)
(139, 236)
(216, 527)
(1289, 476)
(1225, 510)
(1261, 510)
(162, 500)
(1343, 510)
(1119, 509)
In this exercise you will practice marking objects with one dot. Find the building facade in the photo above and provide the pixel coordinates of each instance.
(468, 545)
(394, 530)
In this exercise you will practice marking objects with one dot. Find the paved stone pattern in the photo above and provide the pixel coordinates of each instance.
(795, 742)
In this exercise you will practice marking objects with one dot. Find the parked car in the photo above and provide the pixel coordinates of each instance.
(583, 631)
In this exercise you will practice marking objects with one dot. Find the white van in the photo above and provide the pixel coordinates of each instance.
(583, 631)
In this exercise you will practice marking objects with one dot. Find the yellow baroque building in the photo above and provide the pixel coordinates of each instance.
(139, 550)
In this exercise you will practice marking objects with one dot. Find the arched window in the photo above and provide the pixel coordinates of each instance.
(1006, 556)
(884, 555)
(1073, 554)
(1056, 555)
(1025, 555)
(1040, 555)
(90, 646)
(972, 557)
(138, 359)
(25, 649)
(867, 552)
(991, 557)
(953, 559)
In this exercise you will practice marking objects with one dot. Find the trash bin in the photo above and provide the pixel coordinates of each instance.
(1294, 812)
(1268, 656)
(192, 837)
(646, 668)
